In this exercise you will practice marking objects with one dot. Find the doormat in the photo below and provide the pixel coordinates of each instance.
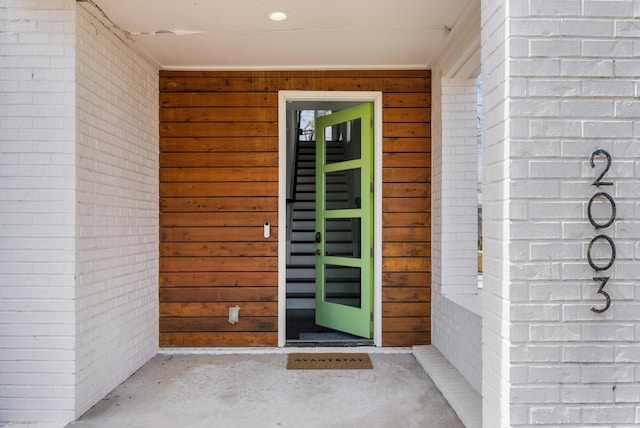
(328, 361)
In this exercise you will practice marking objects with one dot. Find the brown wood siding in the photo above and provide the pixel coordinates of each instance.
(219, 183)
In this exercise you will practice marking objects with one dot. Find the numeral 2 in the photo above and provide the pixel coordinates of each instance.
(598, 181)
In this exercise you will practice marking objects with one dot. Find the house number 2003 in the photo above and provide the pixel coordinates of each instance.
(601, 224)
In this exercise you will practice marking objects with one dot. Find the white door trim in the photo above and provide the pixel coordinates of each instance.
(348, 96)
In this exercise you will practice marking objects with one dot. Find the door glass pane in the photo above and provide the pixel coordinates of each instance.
(343, 189)
(344, 143)
(343, 237)
(342, 285)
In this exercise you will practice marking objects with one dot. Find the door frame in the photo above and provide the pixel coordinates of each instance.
(347, 96)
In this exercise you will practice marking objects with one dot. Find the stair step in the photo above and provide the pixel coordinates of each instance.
(330, 187)
(338, 189)
(305, 196)
(307, 280)
(336, 194)
(338, 224)
(304, 215)
(309, 235)
(303, 247)
(303, 225)
(329, 149)
(307, 229)
(308, 203)
(306, 179)
(311, 179)
(309, 304)
(335, 205)
(303, 236)
(303, 259)
(304, 205)
(342, 249)
(339, 249)
(336, 286)
(311, 296)
(306, 188)
(308, 288)
(299, 273)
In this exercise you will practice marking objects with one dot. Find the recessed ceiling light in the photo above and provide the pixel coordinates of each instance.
(279, 15)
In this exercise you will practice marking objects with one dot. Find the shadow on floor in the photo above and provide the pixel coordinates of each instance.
(232, 391)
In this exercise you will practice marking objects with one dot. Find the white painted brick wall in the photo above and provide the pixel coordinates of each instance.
(37, 210)
(78, 193)
(458, 186)
(117, 211)
(567, 74)
(455, 305)
(456, 330)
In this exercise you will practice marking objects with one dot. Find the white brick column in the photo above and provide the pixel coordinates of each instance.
(455, 304)
(496, 377)
(37, 211)
(560, 81)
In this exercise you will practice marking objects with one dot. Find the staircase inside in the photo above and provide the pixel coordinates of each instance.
(301, 275)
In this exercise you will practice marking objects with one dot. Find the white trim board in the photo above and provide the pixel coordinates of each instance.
(285, 97)
(282, 351)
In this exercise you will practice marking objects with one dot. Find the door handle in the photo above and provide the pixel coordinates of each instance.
(318, 237)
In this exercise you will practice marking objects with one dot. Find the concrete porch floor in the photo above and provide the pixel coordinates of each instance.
(256, 390)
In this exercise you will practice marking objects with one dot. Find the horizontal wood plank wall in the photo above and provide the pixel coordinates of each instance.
(219, 183)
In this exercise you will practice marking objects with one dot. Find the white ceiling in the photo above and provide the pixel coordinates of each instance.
(327, 34)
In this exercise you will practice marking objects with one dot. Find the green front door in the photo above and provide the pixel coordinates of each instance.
(344, 220)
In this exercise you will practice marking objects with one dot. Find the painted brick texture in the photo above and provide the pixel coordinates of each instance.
(78, 211)
(37, 211)
(117, 210)
(456, 330)
(459, 233)
(456, 307)
(571, 80)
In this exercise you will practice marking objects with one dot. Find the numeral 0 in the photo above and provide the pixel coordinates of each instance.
(612, 258)
(613, 210)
